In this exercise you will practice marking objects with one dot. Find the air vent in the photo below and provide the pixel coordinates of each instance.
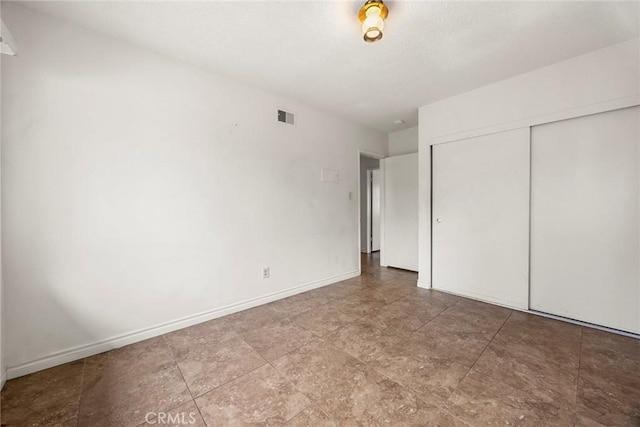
(285, 117)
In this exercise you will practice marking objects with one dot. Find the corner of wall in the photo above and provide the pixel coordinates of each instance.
(402, 141)
(424, 284)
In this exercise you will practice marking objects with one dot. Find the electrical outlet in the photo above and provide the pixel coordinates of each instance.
(265, 272)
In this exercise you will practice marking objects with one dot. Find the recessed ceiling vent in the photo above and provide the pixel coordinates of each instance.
(285, 117)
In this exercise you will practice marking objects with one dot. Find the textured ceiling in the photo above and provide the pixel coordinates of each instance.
(313, 51)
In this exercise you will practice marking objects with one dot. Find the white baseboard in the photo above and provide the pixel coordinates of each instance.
(80, 352)
(585, 324)
(424, 284)
(483, 298)
(547, 315)
(3, 379)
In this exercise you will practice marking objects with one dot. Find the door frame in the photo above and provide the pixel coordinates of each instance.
(380, 157)
(370, 209)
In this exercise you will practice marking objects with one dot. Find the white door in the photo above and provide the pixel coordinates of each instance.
(375, 209)
(481, 217)
(585, 190)
(401, 211)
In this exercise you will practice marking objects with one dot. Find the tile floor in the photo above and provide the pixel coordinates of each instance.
(373, 350)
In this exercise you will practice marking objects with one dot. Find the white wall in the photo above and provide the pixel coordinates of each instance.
(598, 81)
(403, 141)
(366, 163)
(138, 190)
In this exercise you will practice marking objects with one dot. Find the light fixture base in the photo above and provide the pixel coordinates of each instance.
(384, 11)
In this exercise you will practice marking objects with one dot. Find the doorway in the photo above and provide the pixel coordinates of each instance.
(370, 204)
(374, 209)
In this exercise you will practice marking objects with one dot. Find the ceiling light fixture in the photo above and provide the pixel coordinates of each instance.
(372, 16)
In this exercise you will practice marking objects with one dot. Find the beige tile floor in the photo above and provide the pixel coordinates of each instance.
(373, 350)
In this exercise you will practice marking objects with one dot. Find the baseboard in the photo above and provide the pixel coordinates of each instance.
(483, 298)
(80, 352)
(547, 315)
(3, 379)
(424, 284)
(585, 324)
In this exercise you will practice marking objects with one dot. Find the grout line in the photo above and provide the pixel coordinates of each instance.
(299, 412)
(433, 318)
(442, 405)
(415, 393)
(231, 380)
(483, 350)
(183, 379)
(241, 335)
(84, 367)
(335, 423)
(575, 406)
(436, 316)
(329, 333)
(313, 402)
(175, 361)
(200, 412)
(398, 380)
(295, 388)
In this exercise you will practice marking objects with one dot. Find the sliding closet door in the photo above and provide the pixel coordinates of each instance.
(585, 188)
(481, 217)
